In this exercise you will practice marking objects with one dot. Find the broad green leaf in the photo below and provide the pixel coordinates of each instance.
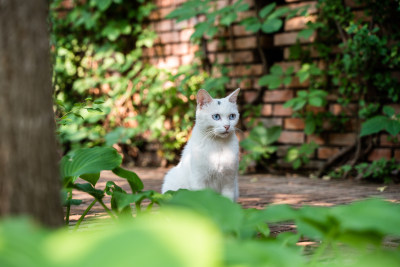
(89, 160)
(374, 125)
(271, 25)
(276, 70)
(200, 29)
(306, 33)
(271, 81)
(91, 177)
(316, 101)
(267, 10)
(133, 179)
(228, 19)
(102, 4)
(226, 214)
(393, 127)
(251, 24)
(273, 134)
(388, 110)
(310, 126)
(279, 12)
(88, 188)
(287, 80)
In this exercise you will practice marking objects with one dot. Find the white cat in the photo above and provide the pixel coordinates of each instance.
(210, 159)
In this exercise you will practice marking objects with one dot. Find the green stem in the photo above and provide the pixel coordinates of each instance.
(106, 209)
(84, 214)
(149, 206)
(138, 207)
(320, 251)
(68, 207)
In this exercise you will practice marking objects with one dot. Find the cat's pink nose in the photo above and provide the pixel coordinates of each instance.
(226, 127)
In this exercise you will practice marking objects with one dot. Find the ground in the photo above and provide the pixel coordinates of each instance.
(259, 190)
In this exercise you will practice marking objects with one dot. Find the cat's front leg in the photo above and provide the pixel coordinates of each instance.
(231, 189)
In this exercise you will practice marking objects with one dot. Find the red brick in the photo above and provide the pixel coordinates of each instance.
(327, 152)
(379, 153)
(386, 141)
(270, 122)
(266, 110)
(246, 14)
(241, 70)
(349, 110)
(164, 2)
(277, 96)
(169, 62)
(243, 43)
(287, 64)
(279, 110)
(213, 45)
(397, 155)
(185, 35)
(169, 37)
(288, 137)
(289, 38)
(187, 59)
(316, 139)
(234, 57)
(294, 124)
(239, 30)
(298, 23)
(343, 139)
(180, 25)
(163, 26)
(180, 49)
(249, 96)
(312, 8)
(241, 83)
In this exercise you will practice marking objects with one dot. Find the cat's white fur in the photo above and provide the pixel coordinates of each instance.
(210, 159)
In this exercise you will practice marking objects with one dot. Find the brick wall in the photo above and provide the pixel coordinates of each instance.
(173, 49)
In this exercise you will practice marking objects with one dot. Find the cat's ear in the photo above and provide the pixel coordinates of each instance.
(203, 98)
(233, 96)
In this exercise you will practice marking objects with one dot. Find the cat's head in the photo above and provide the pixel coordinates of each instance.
(218, 117)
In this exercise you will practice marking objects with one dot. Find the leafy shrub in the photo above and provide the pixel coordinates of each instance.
(205, 229)
(87, 163)
(258, 145)
(301, 155)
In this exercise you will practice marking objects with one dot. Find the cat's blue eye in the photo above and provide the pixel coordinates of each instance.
(216, 117)
(232, 116)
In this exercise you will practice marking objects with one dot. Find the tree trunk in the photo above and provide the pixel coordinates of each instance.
(29, 176)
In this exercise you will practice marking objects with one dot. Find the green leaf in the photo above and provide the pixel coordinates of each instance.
(92, 110)
(251, 24)
(388, 110)
(228, 19)
(276, 70)
(89, 160)
(272, 81)
(200, 29)
(310, 126)
(374, 125)
(88, 188)
(133, 179)
(103, 4)
(226, 214)
(306, 33)
(91, 177)
(267, 10)
(271, 25)
(393, 127)
(316, 101)
(279, 12)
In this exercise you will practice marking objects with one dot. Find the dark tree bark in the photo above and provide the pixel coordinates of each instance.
(29, 176)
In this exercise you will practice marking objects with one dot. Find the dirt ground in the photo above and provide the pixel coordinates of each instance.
(257, 191)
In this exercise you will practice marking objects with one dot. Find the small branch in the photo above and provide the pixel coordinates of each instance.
(68, 208)
(84, 214)
(106, 208)
(335, 158)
